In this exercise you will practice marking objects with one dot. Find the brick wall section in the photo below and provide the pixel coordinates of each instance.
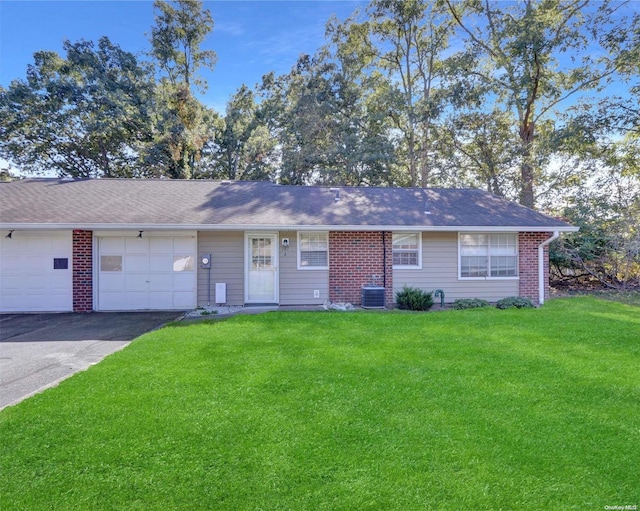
(82, 271)
(354, 258)
(528, 243)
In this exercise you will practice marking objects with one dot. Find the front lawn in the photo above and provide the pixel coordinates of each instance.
(476, 409)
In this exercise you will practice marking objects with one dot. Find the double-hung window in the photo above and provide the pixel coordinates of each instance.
(313, 250)
(407, 252)
(488, 255)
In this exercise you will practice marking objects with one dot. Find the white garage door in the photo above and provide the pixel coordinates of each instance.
(152, 272)
(35, 272)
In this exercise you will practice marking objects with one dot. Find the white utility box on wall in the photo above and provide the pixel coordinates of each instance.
(221, 292)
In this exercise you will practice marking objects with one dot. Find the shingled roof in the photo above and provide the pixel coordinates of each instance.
(202, 204)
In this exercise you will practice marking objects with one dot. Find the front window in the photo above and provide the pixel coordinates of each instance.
(406, 250)
(488, 255)
(313, 250)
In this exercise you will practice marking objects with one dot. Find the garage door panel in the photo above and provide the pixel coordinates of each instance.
(58, 300)
(38, 263)
(111, 245)
(182, 300)
(111, 300)
(160, 263)
(136, 245)
(59, 283)
(38, 300)
(17, 302)
(110, 282)
(58, 246)
(12, 263)
(182, 281)
(11, 284)
(9, 249)
(38, 244)
(161, 245)
(187, 245)
(136, 263)
(160, 300)
(160, 282)
(136, 282)
(36, 282)
(136, 300)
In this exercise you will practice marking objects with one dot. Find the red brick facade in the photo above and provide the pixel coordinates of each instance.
(528, 243)
(82, 271)
(356, 259)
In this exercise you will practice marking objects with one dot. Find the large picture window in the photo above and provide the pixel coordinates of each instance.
(313, 250)
(406, 250)
(488, 255)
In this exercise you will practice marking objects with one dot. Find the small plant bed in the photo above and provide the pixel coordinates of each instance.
(514, 302)
(522, 409)
(469, 303)
(214, 310)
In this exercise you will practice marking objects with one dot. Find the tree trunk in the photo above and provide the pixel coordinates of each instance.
(413, 171)
(527, 166)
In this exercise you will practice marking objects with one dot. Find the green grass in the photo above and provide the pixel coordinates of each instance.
(630, 297)
(474, 409)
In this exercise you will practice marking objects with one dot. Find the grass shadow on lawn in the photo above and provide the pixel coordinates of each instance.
(476, 409)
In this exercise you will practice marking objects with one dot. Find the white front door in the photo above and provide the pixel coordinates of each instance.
(152, 272)
(262, 268)
(36, 272)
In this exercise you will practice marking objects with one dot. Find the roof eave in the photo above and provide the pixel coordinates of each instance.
(286, 227)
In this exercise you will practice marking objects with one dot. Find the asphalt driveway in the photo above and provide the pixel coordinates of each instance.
(37, 351)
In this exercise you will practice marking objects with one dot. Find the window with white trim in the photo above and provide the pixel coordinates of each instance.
(407, 250)
(313, 250)
(488, 255)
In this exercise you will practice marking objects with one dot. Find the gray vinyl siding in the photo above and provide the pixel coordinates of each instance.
(440, 271)
(227, 265)
(297, 286)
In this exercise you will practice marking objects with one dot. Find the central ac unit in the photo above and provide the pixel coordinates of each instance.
(372, 297)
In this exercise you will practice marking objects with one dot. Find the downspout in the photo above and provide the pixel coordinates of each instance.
(384, 261)
(541, 275)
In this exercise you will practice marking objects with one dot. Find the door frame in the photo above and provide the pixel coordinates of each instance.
(248, 236)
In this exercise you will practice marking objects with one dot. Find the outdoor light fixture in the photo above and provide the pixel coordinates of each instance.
(10, 235)
(140, 234)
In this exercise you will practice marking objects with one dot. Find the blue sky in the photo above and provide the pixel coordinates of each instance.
(251, 38)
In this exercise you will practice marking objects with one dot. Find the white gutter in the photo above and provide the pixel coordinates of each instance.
(278, 227)
(541, 275)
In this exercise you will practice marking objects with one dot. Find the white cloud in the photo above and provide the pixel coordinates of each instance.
(231, 28)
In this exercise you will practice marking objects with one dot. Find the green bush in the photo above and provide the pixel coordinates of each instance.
(414, 299)
(469, 303)
(514, 301)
